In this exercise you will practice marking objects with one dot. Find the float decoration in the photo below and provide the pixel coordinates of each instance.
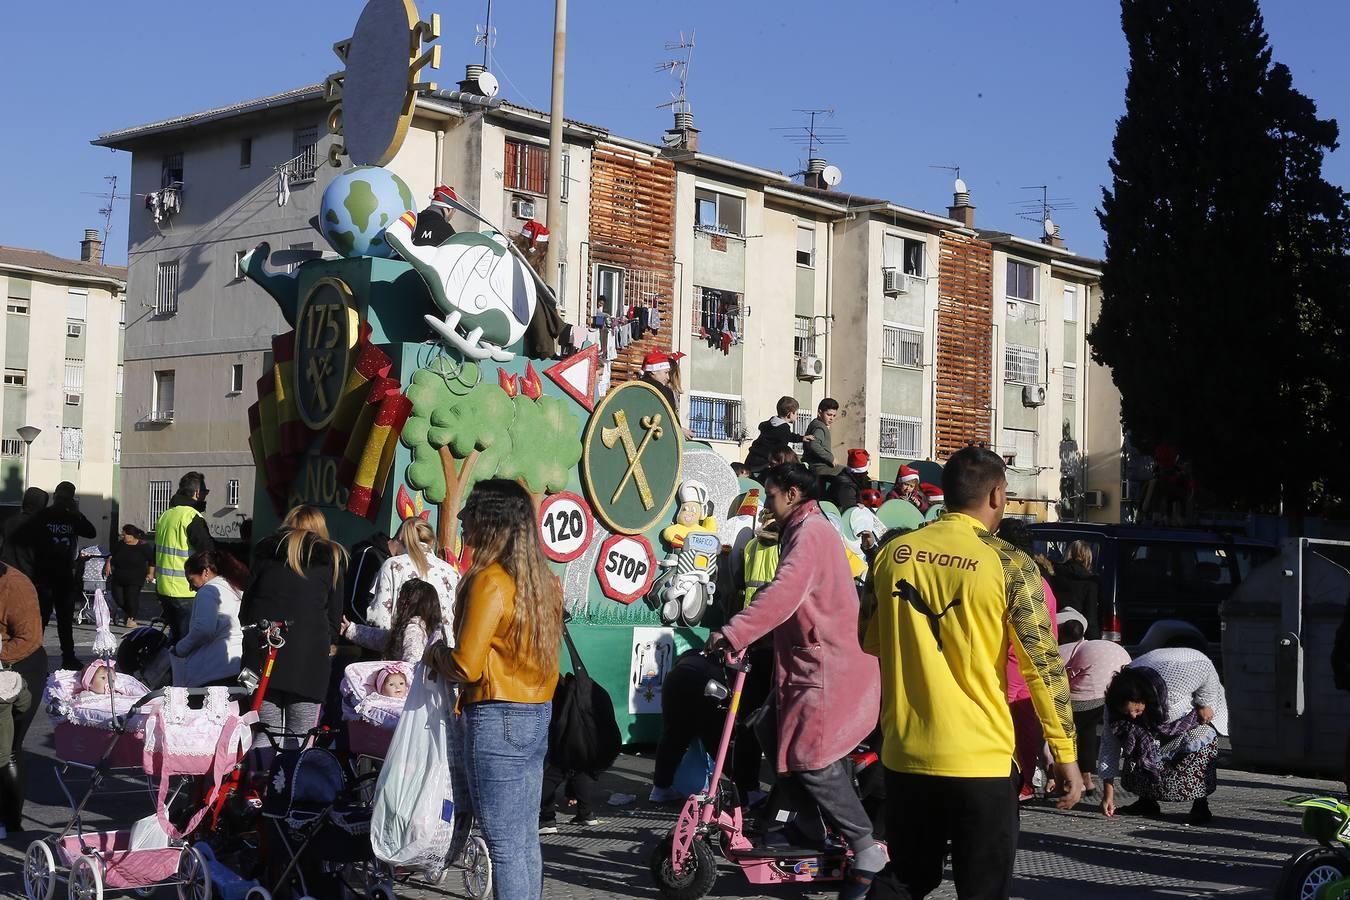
(687, 585)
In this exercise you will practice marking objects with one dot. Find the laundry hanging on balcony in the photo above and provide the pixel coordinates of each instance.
(283, 186)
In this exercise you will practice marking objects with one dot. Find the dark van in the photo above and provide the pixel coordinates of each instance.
(1174, 578)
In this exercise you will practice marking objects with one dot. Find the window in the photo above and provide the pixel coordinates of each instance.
(1021, 445)
(1021, 365)
(1070, 303)
(171, 171)
(914, 257)
(163, 398)
(904, 254)
(1070, 381)
(900, 436)
(20, 289)
(713, 418)
(306, 245)
(901, 346)
(232, 492)
(608, 289)
(245, 152)
(122, 313)
(806, 246)
(526, 167)
(305, 148)
(77, 304)
(166, 289)
(718, 311)
(74, 329)
(804, 342)
(721, 213)
(566, 174)
(161, 492)
(117, 448)
(120, 371)
(72, 443)
(237, 378)
(74, 383)
(18, 306)
(239, 263)
(1021, 281)
(16, 377)
(11, 447)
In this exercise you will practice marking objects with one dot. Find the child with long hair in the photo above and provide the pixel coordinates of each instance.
(417, 557)
(510, 613)
(418, 622)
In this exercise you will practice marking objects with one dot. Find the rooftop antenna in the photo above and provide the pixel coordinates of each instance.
(486, 35)
(811, 137)
(679, 101)
(1039, 210)
(112, 197)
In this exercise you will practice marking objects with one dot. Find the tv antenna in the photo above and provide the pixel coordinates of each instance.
(1040, 210)
(486, 35)
(112, 197)
(812, 137)
(679, 101)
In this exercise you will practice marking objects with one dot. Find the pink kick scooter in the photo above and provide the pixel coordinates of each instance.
(684, 863)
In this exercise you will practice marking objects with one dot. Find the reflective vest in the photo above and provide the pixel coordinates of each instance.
(761, 564)
(172, 551)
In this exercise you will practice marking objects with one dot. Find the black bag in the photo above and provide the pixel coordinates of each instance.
(583, 735)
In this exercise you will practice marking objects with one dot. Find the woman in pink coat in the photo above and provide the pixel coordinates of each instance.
(827, 691)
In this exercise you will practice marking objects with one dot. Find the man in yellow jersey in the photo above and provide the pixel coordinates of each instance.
(180, 531)
(949, 598)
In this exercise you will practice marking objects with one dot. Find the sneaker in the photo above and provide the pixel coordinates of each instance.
(664, 795)
(548, 827)
(129, 623)
(587, 821)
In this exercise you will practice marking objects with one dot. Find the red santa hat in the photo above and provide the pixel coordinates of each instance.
(871, 498)
(444, 196)
(857, 460)
(908, 474)
(658, 361)
(932, 492)
(534, 233)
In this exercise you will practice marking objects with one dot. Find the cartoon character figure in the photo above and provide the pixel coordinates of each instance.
(686, 589)
(693, 514)
(485, 290)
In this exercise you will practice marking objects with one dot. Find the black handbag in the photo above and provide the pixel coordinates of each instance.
(583, 735)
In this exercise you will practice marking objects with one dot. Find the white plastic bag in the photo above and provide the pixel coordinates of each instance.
(413, 821)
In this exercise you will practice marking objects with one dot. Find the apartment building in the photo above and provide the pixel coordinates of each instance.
(72, 397)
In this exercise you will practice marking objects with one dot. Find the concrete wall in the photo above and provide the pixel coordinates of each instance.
(1102, 435)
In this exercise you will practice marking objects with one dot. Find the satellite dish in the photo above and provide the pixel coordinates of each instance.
(488, 85)
(1050, 227)
(831, 175)
(960, 187)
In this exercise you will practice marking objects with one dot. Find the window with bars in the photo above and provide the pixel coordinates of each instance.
(901, 436)
(526, 167)
(719, 213)
(117, 448)
(718, 311)
(74, 381)
(1021, 282)
(16, 377)
(171, 171)
(1021, 445)
(1021, 365)
(800, 423)
(804, 341)
(901, 346)
(305, 153)
(232, 492)
(1070, 381)
(72, 443)
(161, 492)
(713, 418)
(166, 289)
(11, 447)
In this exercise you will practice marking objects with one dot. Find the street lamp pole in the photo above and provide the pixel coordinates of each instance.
(555, 148)
(29, 434)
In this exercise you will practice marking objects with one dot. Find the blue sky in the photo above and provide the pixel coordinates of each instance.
(1017, 94)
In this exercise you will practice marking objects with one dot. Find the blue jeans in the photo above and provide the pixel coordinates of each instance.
(504, 747)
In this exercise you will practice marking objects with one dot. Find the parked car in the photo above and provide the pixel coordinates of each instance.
(1158, 587)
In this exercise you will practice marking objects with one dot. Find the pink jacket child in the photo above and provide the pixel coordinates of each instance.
(1026, 726)
(828, 691)
(1090, 666)
(1017, 685)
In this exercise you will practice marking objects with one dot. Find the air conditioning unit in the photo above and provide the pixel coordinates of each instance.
(894, 281)
(522, 208)
(72, 399)
(1094, 499)
(810, 368)
(74, 329)
(1033, 395)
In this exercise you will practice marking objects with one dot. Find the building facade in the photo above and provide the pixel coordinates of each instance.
(73, 396)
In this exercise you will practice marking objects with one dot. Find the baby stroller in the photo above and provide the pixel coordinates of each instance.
(144, 652)
(371, 719)
(90, 564)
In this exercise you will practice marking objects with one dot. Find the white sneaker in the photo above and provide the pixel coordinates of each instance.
(664, 795)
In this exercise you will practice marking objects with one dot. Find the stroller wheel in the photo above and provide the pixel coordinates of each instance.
(86, 881)
(477, 868)
(193, 876)
(39, 871)
(258, 893)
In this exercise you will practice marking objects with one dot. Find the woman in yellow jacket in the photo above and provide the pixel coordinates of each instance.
(505, 661)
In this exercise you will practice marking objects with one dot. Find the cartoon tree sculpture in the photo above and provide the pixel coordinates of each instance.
(545, 445)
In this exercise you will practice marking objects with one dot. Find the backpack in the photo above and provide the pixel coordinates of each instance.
(583, 735)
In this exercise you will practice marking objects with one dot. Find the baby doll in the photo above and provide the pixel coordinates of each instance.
(391, 682)
(97, 678)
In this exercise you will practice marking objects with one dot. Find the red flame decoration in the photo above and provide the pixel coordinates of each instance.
(509, 383)
(530, 385)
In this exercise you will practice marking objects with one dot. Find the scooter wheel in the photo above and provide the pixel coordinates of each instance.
(698, 877)
(1305, 875)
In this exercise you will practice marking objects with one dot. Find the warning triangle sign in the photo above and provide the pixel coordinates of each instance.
(577, 375)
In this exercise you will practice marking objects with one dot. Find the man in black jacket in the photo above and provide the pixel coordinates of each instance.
(13, 553)
(53, 535)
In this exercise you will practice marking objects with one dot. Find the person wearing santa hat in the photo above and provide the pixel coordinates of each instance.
(433, 226)
(849, 484)
(661, 371)
(933, 493)
(907, 488)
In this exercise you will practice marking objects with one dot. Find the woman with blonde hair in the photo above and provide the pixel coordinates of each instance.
(1076, 586)
(417, 557)
(506, 665)
(297, 577)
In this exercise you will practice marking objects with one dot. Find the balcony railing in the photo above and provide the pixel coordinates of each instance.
(302, 167)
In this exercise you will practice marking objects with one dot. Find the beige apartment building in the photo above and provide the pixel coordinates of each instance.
(769, 285)
(72, 396)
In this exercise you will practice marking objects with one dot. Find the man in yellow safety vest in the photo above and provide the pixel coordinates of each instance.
(180, 532)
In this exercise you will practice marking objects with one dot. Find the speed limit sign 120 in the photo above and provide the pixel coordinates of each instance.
(626, 567)
(566, 526)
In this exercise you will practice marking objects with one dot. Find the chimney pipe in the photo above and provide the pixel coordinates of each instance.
(815, 166)
(1054, 239)
(91, 248)
(470, 83)
(961, 209)
(684, 136)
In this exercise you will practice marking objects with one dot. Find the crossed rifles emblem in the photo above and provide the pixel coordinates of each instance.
(651, 425)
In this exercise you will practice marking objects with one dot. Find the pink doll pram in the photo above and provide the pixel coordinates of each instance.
(370, 716)
(85, 724)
